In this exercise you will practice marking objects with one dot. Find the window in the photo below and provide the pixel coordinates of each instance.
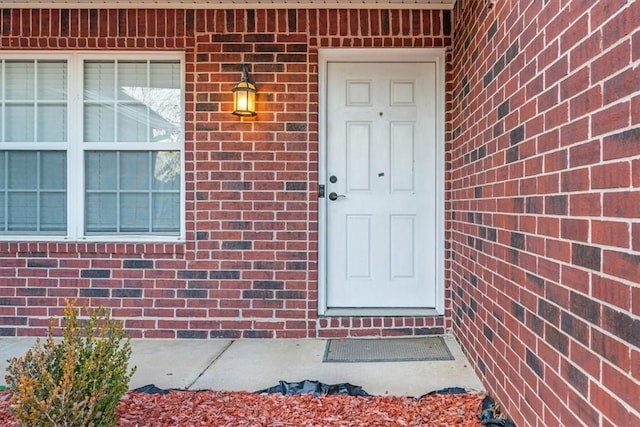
(90, 147)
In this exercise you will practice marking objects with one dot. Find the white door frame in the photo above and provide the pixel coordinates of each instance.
(435, 55)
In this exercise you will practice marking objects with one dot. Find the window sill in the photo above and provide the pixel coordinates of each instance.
(93, 239)
(44, 247)
(380, 312)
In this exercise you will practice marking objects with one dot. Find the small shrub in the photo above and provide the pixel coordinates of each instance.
(76, 381)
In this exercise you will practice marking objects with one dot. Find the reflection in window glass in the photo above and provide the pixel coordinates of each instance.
(145, 107)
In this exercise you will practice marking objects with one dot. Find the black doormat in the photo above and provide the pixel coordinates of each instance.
(387, 350)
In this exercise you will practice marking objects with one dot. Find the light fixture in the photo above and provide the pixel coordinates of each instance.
(244, 95)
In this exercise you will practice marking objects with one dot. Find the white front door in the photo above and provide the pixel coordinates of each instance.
(381, 185)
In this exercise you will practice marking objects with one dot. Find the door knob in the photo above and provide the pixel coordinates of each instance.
(334, 196)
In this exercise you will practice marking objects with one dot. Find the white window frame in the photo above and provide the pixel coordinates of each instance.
(75, 147)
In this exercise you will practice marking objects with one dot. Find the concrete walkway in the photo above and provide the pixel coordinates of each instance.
(251, 365)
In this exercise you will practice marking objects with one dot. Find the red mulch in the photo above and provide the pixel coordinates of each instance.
(212, 408)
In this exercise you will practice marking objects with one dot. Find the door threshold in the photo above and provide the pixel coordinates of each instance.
(379, 312)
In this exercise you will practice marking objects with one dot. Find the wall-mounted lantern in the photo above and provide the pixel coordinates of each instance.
(244, 95)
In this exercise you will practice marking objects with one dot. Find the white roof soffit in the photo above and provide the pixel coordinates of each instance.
(230, 4)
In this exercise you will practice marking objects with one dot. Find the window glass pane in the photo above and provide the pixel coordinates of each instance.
(166, 170)
(99, 123)
(19, 123)
(19, 80)
(134, 92)
(132, 123)
(99, 80)
(22, 213)
(53, 170)
(3, 170)
(23, 170)
(165, 75)
(134, 171)
(52, 80)
(101, 212)
(165, 115)
(134, 212)
(101, 170)
(53, 211)
(3, 190)
(132, 76)
(3, 217)
(165, 102)
(52, 123)
(166, 212)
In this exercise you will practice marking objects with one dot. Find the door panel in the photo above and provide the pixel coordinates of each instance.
(402, 241)
(402, 145)
(358, 240)
(358, 150)
(381, 148)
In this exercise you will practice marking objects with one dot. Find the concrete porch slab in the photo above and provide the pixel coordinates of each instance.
(163, 362)
(251, 365)
(169, 363)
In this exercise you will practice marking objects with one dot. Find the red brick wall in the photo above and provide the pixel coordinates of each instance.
(545, 206)
(248, 267)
